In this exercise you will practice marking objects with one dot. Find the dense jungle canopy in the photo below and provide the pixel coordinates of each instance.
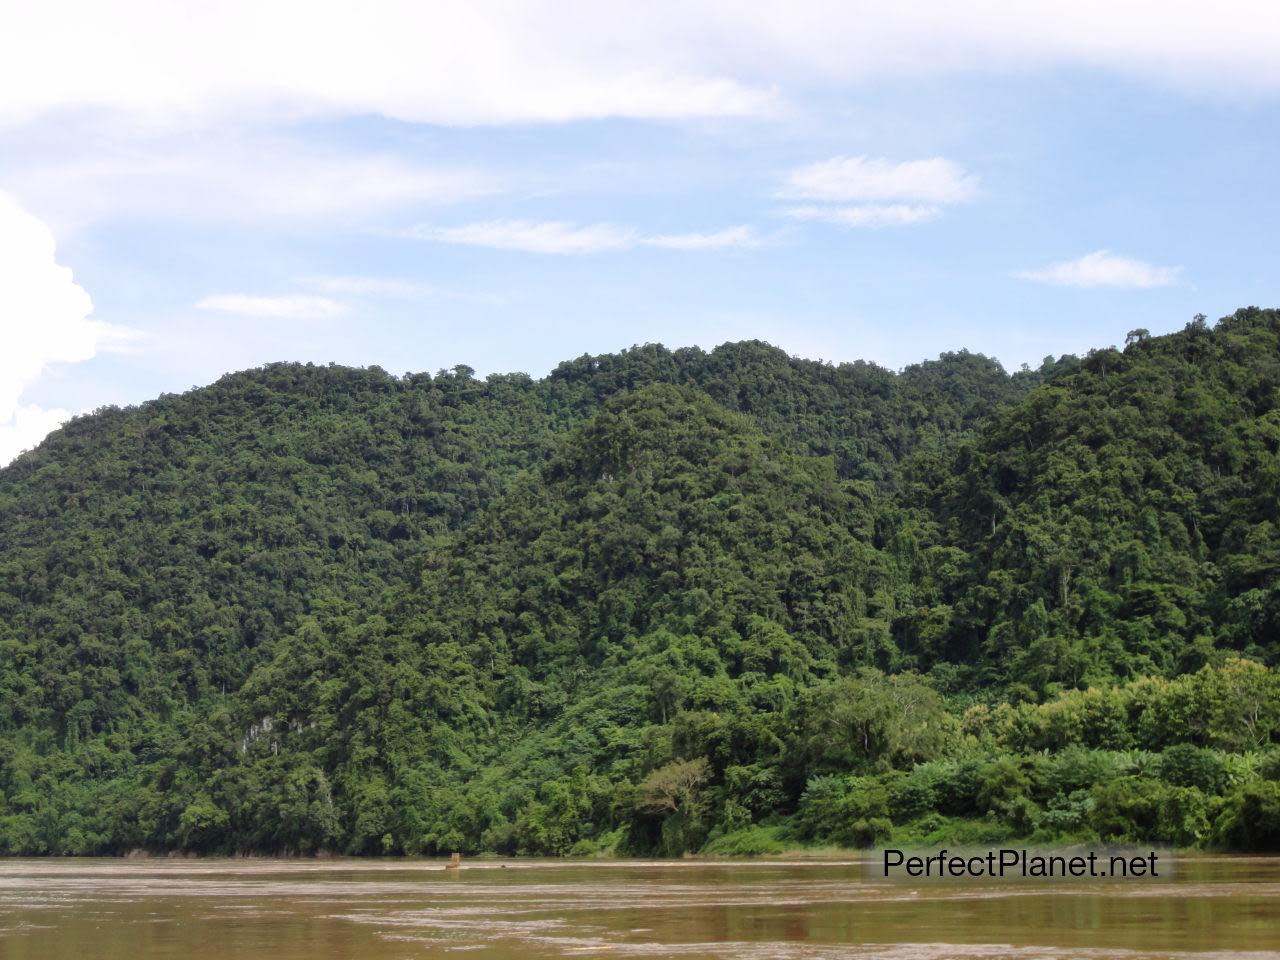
(655, 602)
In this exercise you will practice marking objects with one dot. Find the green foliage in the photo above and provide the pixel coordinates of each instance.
(871, 720)
(752, 841)
(1121, 519)
(654, 602)
(1188, 766)
(1251, 818)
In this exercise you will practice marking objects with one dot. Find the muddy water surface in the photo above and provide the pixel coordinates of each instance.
(1215, 909)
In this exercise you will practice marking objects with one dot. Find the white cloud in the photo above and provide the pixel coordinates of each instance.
(492, 61)
(226, 177)
(533, 236)
(867, 214)
(44, 319)
(841, 179)
(553, 236)
(190, 147)
(1102, 268)
(487, 62)
(294, 306)
(395, 288)
(391, 288)
(887, 193)
(26, 428)
(298, 181)
(731, 237)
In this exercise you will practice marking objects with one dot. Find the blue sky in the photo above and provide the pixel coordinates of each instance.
(185, 192)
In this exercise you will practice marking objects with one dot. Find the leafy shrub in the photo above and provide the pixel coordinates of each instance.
(1079, 768)
(1185, 765)
(821, 809)
(1251, 818)
(1067, 813)
(910, 797)
(1268, 765)
(1183, 817)
(752, 841)
(870, 832)
(848, 811)
(955, 783)
(1127, 809)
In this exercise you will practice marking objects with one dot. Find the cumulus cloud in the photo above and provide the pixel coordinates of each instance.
(27, 427)
(1102, 268)
(553, 236)
(44, 319)
(294, 306)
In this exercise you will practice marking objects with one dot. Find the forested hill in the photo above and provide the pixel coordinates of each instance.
(151, 556)
(655, 602)
(1123, 518)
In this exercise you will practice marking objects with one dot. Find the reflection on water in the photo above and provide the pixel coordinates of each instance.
(1215, 909)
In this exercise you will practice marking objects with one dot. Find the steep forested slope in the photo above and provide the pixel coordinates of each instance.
(149, 557)
(667, 558)
(1124, 518)
(655, 600)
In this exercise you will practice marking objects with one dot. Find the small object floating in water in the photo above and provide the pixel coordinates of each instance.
(455, 862)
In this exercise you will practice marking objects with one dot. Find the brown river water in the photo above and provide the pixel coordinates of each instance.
(1225, 908)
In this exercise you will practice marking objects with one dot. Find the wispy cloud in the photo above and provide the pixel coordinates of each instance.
(1102, 268)
(740, 236)
(392, 288)
(81, 176)
(867, 214)
(295, 306)
(532, 236)
(873, 192)
(842, 179)
(335, 295)
(557, 237)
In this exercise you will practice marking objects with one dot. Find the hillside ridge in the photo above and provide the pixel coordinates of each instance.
(657, 601)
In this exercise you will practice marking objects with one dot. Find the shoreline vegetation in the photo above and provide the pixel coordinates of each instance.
(792, 853)
(657, 603)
